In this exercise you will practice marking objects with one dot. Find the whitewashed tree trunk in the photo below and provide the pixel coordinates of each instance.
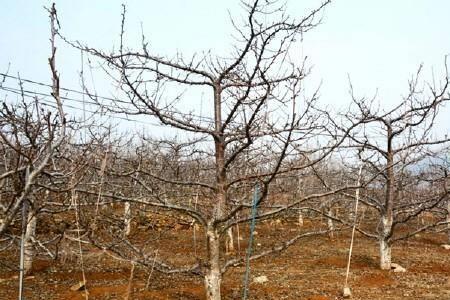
(29, 250)
(385, 246)
(213, 276)
(300, 218)
(127, 218)
(448, 220)
(298, 192)
(387, 214)
(330, 223)
(385, 255)
(229, 241)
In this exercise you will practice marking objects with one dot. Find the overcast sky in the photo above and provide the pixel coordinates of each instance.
(379, 44)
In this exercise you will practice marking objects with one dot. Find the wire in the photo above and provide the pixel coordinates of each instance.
(204, 118)
(47, 103)
(113, 110)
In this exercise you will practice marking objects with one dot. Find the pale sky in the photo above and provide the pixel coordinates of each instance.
(379, 44)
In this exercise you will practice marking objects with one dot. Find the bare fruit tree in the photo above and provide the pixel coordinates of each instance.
(30, 139)
(398, 148)
(254, 124)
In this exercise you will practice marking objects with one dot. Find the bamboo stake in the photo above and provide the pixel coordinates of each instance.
(347, 292)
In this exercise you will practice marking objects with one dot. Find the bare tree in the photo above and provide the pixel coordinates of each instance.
(398, 148)
(31, 137)
(259, 126)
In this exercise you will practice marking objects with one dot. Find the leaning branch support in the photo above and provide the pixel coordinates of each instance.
(347, 292)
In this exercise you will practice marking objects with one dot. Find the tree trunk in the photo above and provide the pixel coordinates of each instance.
(385, 255)
(330, 224)
(300, 218)
(448, 220)
(213, 276)
(298, 194)
(229, 241)
(387, 215)
(29, 250)
(385, 246)
(127, 218)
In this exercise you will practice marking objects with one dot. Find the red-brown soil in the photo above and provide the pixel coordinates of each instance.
(314, 269)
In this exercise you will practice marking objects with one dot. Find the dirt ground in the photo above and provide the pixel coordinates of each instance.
(313, 268)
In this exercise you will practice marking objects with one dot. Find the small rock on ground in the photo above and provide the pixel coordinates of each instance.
(397, 268)
(260, 279)
(80, 286)
(347, 293)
